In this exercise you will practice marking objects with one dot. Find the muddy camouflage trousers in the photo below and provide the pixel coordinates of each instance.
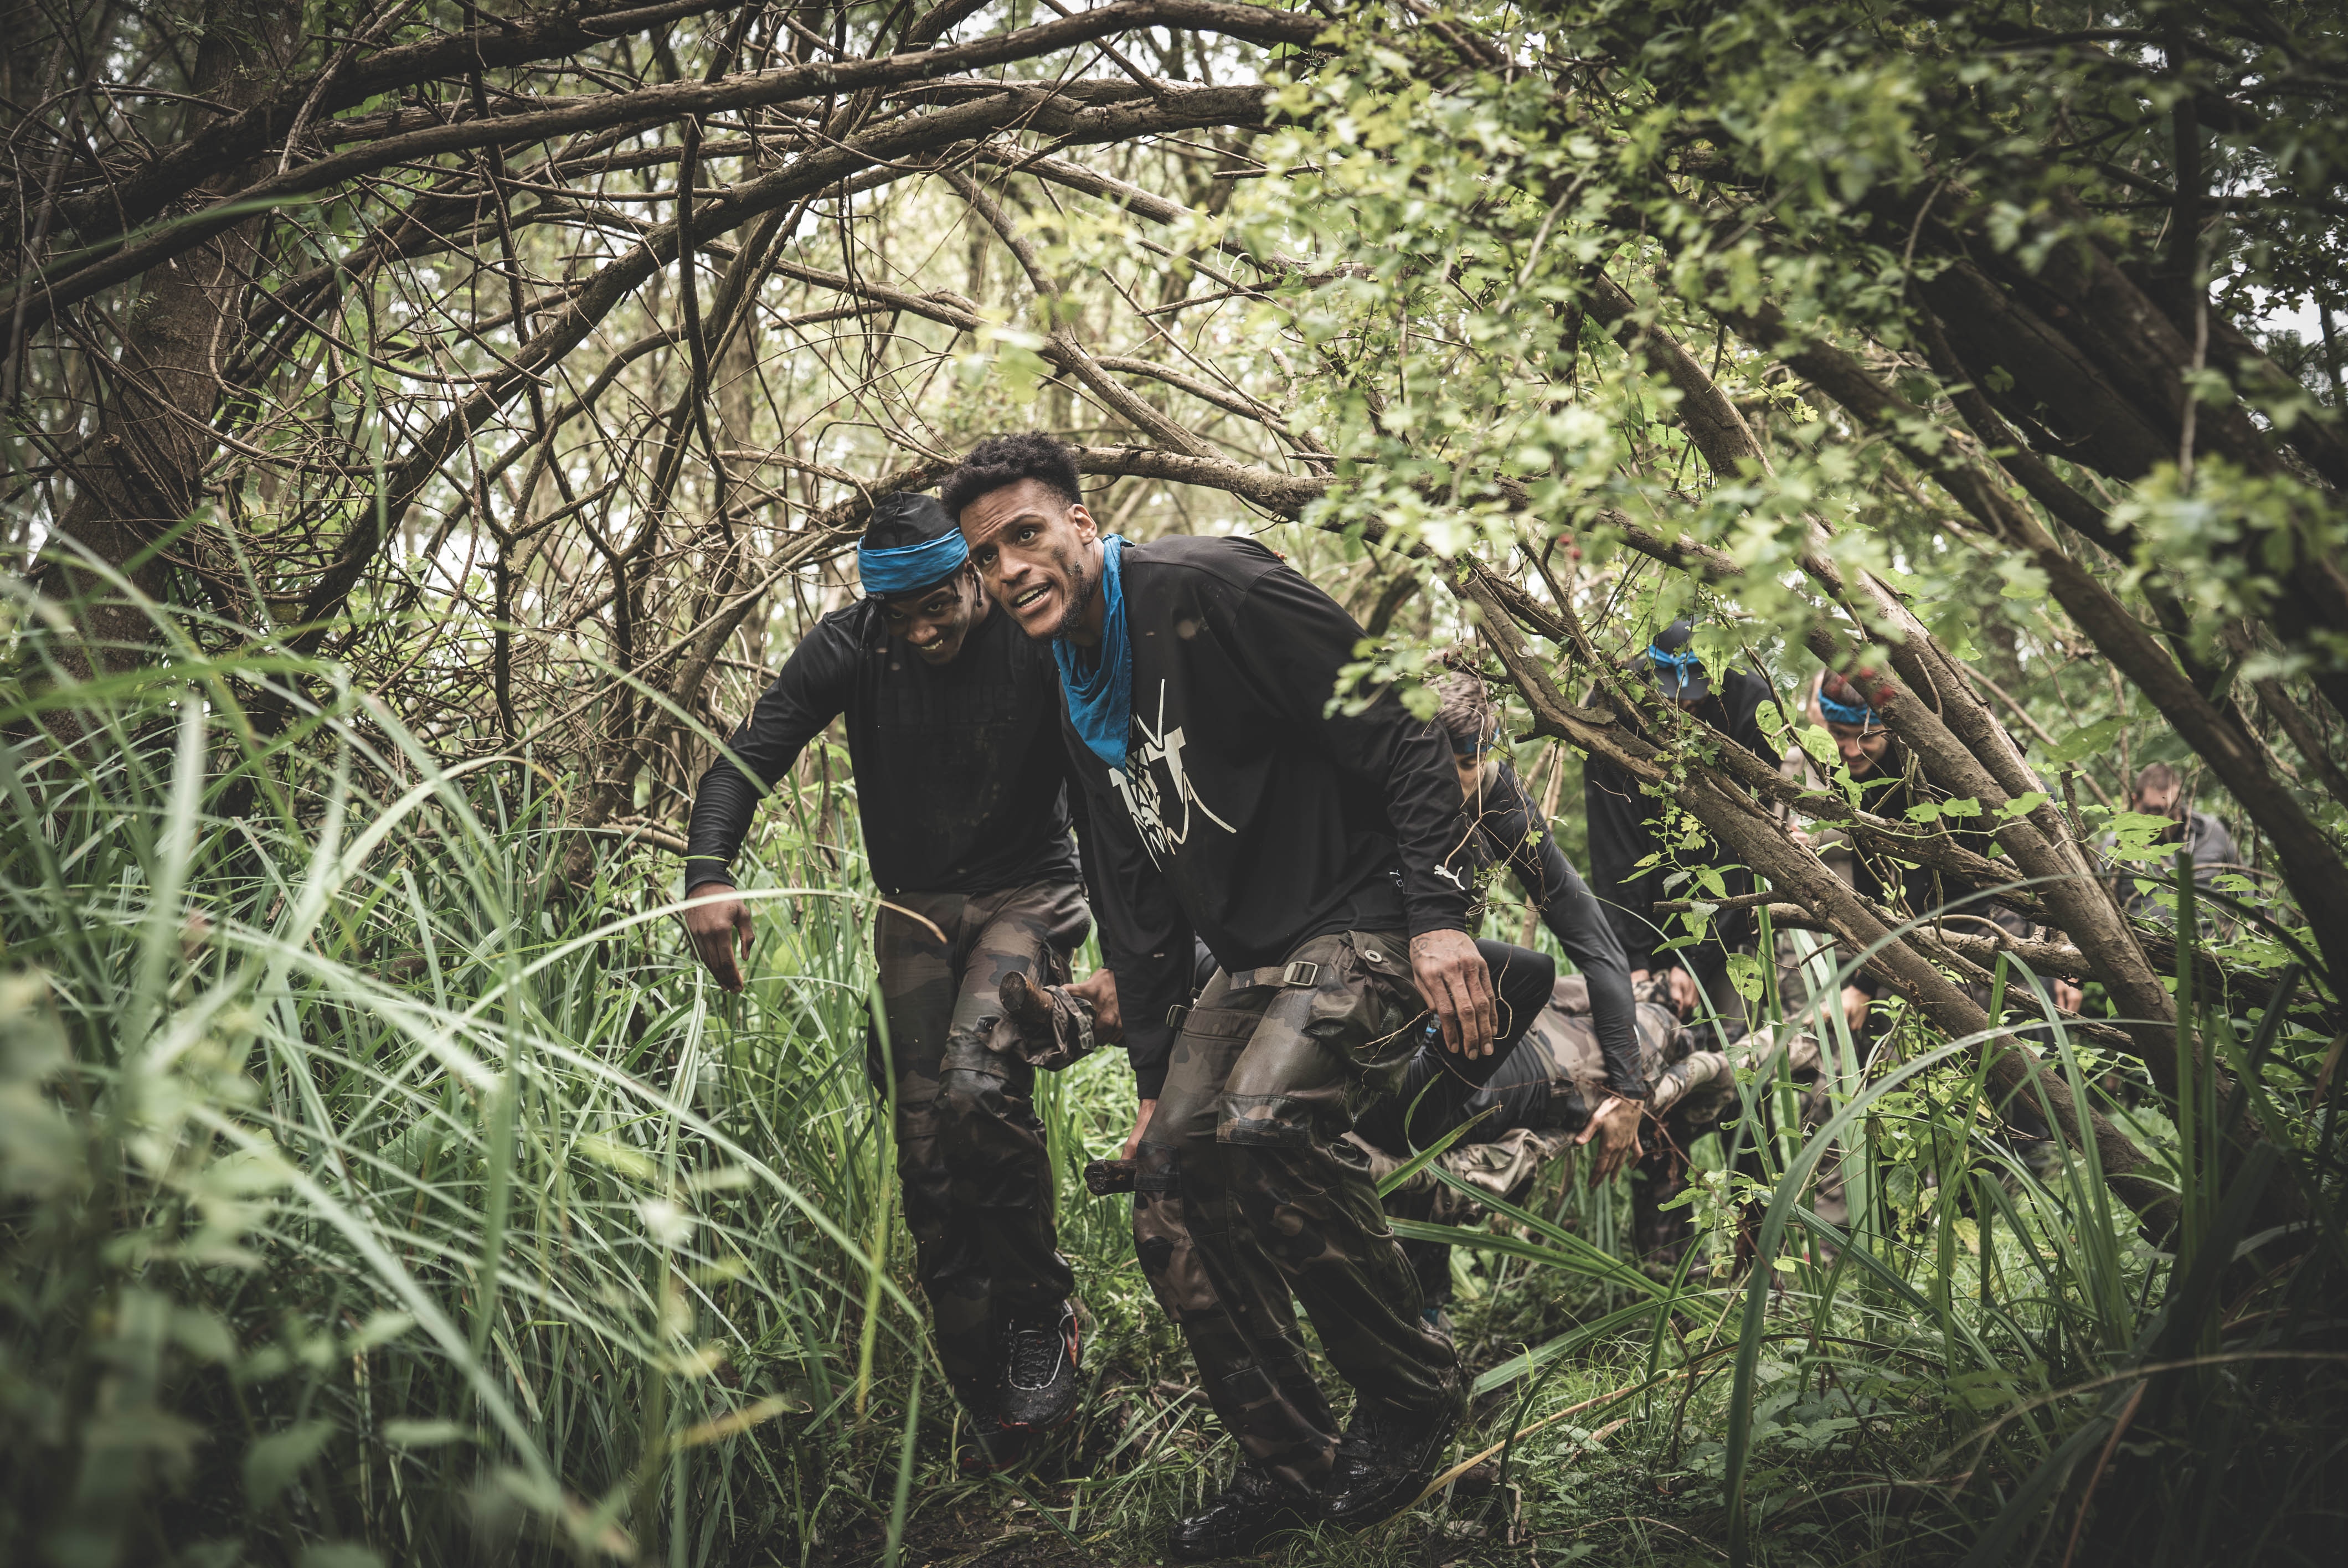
(970, 1151)
(1246, 1195)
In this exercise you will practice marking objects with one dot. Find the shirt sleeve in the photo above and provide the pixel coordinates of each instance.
(812, 690)
(1296, 641)
(1145, 938)
(1620, 838)
(1573, 916)
(1744, 723)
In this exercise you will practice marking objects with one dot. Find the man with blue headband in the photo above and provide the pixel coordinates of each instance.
(1850, 708)
(1312, 849)
(953, 731)
(1630, 865)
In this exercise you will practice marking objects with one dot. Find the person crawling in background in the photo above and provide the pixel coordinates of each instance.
(1536, 1110)
(1539, 1107)
(1507, 829)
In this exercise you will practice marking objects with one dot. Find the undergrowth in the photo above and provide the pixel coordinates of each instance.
(373, 1195)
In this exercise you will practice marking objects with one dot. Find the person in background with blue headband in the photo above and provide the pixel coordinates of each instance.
(1625, 830)
(1850, 708)
(954, 732)
(1843, 707)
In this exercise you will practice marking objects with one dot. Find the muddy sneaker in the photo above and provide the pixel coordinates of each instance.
(1388, 1455)
(990, 1448)
(1039, 1371)
(1256, 1506)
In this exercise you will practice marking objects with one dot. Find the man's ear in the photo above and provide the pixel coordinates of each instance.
(1078, 514)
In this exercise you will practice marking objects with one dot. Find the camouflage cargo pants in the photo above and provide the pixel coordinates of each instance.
(970, 1151)
(1245, 1195)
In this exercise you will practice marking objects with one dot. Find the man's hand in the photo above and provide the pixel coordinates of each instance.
(1140, 1126)
(1615, 1128)
(1452, 976)
(1685, 993)
(1855, 1003)
(2067, 996)
(717, 925)
(1099, 991)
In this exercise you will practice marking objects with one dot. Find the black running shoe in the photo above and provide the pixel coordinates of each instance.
(1039, 1371)
(1387, 1457)
(1256, 1506)
(990, 1448)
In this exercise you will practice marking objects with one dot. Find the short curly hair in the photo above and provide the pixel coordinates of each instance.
(1003, 460)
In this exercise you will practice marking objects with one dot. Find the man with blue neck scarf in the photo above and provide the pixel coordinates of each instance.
(1631, 867)
(1311, 851)
(954, 733)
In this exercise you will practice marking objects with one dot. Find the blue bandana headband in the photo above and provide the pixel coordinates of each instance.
(1477, 747)
(1858, 714)
(908, 569)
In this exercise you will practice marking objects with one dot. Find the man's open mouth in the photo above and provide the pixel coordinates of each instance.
(1033, 596)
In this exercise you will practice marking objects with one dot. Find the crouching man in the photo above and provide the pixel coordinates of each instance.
(1308, 850)
(953, 734)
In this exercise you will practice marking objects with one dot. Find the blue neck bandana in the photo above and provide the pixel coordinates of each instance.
(1481, 746)
(887, 574)
(1100, 700)
(1848, 713)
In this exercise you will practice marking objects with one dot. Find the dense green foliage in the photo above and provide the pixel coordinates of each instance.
(365, 1191)
(426, 431)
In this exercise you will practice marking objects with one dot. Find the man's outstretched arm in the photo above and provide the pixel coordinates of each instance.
(810, 693)
(1571, 913)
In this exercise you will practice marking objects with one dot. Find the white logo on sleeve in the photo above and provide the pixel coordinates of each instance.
(1154, 780)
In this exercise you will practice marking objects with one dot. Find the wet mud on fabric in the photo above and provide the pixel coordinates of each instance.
(970, 1150)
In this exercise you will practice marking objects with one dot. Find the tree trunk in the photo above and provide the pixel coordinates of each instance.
(139, 480)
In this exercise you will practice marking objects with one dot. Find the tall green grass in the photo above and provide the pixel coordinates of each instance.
(366, 1186)
(367, 1193)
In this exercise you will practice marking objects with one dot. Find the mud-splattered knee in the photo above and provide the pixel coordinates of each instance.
(970, 1082)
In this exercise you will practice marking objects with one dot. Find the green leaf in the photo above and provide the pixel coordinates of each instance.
(2093, 740)
(422, 1434)
(202, 1334)
(272, 1461)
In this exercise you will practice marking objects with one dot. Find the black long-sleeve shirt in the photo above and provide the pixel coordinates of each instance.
(961, 778)
(1623, 830)
(1246, 813)
(1511, 831)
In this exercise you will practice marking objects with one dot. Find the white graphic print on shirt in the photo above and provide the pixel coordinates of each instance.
(1155, 753)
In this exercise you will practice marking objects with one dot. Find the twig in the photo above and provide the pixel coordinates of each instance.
(1464, 1466)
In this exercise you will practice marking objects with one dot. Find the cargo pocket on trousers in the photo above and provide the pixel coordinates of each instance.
(1398, 1015)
